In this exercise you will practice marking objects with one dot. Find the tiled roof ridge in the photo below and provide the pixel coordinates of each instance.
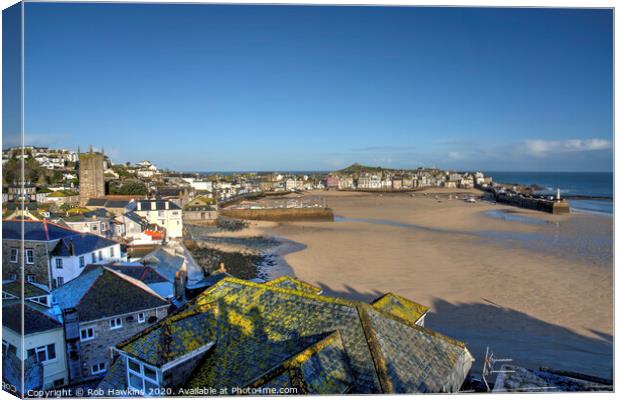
(423, 329)
(294, 279)
(318, 297)
(294, 362)
(46, 315)
(399, 297)
(135, 282)
(154, 270)
(41, 222)
(378, 358)
(171, 318)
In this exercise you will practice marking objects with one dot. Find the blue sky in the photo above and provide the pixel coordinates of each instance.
(201, 87)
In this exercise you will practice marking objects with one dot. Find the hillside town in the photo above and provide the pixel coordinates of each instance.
(114, 302)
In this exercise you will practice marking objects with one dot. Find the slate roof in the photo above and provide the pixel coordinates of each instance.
(266, 335)
(145, 274)
(145, 205)
(35, 319)
(34, 230)
(46, 231)
(30, 289)
(81, 243)
(400, 307)
(164, 263)
(287, 282)
(102, 292)
(135, 218)
(107, 203)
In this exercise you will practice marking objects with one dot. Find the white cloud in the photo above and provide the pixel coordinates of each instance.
(539, 147)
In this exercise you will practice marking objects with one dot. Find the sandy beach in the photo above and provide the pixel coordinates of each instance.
(534, 287)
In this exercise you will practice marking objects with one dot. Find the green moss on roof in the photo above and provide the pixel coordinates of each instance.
(77, 210)
(62, 193)
(266, 335)
(287, 282)
(400, 307)
(15, 288)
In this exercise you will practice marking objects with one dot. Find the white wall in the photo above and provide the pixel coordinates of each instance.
(52, 370)
(172, 220)
(71, 265)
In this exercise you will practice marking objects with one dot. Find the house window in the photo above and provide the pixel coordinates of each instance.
(59, 263)
(29, 256)
(82, 262)
(97, 368)
(116, 323)
(93, 258)
(141, 317)
(100, 255)
(60, 281)
(8, 348)
(111, 251)
(30, 278)
(87, 334)
(141, 377)
(43, 353)
(14, 255)
(12, 277)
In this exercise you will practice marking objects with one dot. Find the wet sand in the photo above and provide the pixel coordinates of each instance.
(534, 287)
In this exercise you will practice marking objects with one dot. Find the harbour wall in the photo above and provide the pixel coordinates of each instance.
(280, 214)
(550, 206)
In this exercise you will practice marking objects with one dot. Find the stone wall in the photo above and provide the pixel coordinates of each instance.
(97, 350)
(40, 268)
(91, 176)
(280, 214)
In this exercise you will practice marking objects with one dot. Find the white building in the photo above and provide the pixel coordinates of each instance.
(73, 253)
(163, 213)
(43, 339)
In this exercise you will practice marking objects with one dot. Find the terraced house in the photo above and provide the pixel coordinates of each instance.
(101, 308)
(41, 342)
(284, 334)
(52, 254)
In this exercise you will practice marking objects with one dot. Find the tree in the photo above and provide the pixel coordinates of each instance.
(132, 187)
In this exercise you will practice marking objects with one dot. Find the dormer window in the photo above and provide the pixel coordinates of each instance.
(142, 377)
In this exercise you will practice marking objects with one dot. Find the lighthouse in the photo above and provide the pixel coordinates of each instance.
(558, 195)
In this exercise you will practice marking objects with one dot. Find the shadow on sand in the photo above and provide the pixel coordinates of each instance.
(509, 333)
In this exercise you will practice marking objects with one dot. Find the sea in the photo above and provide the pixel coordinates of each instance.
(599, 185)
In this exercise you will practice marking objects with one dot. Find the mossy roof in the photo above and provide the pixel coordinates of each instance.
(30, 290)
(287, 282)
(257, 328)
(400, 307)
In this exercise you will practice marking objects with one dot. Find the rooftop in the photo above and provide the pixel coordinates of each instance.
(36, 319)
(101, 292)
(284, 333)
